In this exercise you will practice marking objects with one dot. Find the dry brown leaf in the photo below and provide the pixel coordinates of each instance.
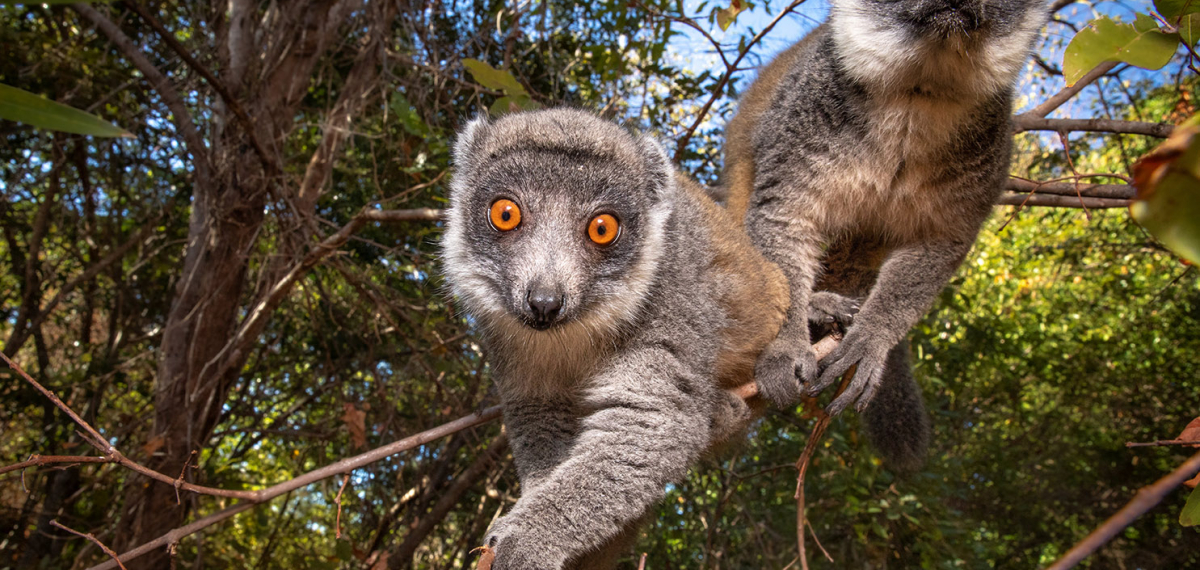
(486, 556)
(154, 444)
(1193, 482)
(381, 563)
(1191, 432)
(355, 420)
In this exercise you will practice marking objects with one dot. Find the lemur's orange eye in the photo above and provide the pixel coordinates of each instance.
(505, 215)
(603, 229)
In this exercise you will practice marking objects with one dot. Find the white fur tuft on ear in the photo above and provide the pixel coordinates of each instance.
(469, 138)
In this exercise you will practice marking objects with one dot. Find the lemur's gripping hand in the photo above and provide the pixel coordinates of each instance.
(517, 548)
(787, 357)
(865, 347)
(789, 361)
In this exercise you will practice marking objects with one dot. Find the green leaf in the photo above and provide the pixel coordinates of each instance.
(1140, 43)
(36, 111)
(493, 78)
(1189, 29)
(1190, 515)
(1175, 8)
(407, 114)
(726, 16)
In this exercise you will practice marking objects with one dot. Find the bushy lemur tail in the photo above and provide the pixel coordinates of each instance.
(896, 422)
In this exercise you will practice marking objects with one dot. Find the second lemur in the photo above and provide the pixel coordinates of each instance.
(864, 161)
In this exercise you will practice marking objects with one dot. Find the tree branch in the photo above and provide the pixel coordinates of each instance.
(1146, 498)
(1115, 191)
(1023, 123)
(159, 82)
(1057, 100)
(1055, 201)
(227, 97)
(730, 69)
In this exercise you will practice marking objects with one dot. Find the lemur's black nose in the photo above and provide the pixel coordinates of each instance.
(544, 304)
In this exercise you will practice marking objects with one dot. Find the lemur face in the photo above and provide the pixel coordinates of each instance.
(548, 229)
(949, 19)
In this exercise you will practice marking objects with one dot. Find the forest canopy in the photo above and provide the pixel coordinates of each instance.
(246, 289)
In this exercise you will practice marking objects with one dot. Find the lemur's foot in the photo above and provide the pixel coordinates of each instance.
(829, 312)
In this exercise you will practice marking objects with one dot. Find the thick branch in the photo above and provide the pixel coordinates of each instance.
(1115, 191)
(1146, 499)
(1055, 201)
(1023, 123)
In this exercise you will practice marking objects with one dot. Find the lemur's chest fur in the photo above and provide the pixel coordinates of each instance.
(884, 180)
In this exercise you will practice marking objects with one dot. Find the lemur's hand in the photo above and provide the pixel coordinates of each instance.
(863, 346)
(783, 365)
(518, 549)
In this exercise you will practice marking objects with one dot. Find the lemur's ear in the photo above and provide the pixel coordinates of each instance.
(658, 165)
(469, 139)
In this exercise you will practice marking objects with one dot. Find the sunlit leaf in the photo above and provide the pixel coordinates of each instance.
(1141, 43)
(36, 111)
(1168, 191)
(726, 16)
(493, 78)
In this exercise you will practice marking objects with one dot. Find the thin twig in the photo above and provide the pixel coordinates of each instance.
(642, 562)
(64, 460)
(91, 537)
(338, 501)
(813, 532)
(725, 77)
(1146, 499)
(1163, 443)
(1057, 100)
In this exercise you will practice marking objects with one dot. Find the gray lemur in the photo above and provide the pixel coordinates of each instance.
(864, 160)
(617, 303)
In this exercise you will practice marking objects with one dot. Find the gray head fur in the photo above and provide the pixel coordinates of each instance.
(562, 168)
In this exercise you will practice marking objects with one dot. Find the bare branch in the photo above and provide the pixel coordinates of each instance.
(1146, 498)
(1023, 123)
(1163, 443)
(67, 460)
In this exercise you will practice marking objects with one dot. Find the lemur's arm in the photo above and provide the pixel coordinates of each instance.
(793, 244)
(909, 281)
(541, 431)
(650, 422)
